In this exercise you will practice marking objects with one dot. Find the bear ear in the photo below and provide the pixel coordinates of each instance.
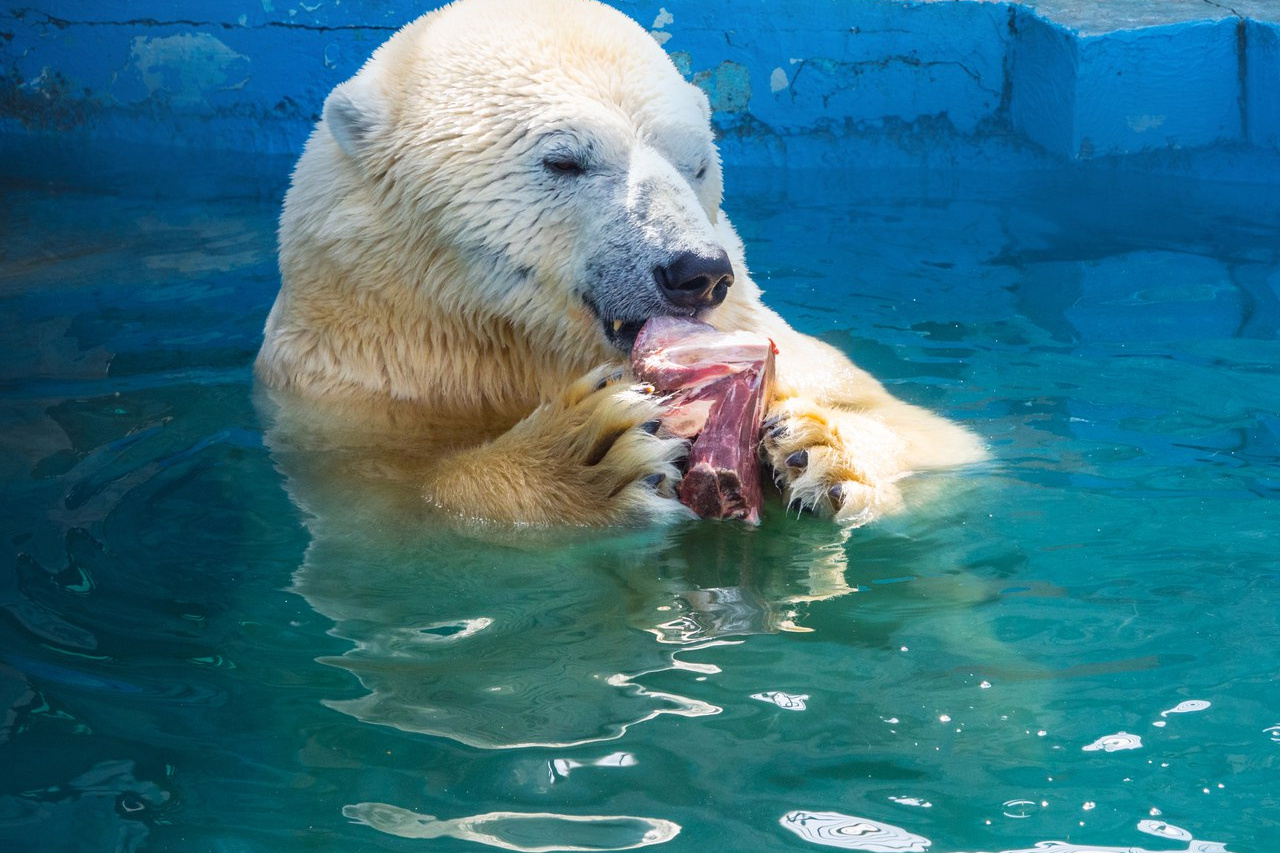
(704, 103)
(352, 112)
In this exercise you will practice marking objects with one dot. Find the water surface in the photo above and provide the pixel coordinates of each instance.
(1072, 647)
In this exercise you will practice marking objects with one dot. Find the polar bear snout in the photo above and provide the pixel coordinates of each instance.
(694, 280)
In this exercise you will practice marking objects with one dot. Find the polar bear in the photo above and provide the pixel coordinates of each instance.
(481, 221)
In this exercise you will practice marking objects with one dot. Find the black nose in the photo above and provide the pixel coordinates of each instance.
(692, 280)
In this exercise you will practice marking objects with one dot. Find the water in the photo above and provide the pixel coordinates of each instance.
(1072, 648)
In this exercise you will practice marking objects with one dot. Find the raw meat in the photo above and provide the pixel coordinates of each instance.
(720, 385)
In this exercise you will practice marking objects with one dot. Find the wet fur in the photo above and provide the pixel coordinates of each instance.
(445, 292)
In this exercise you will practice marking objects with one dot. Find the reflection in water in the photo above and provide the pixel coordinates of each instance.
(158, 689)
(499, 638)
(530, 833)
(562, 767)
(1186, 707)
(731, 581)
(104, 808)
(547, 656)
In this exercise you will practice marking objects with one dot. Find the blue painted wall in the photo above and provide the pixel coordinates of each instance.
(801, 83)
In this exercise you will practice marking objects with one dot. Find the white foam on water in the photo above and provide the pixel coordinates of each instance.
(1187, 707)
(833, 829)
(1163, 830)
(912, 801)
(789, 701)
(1114, 743)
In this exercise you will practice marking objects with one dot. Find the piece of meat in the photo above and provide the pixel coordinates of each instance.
(720, 385)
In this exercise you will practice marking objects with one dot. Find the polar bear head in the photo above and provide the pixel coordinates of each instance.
(537, 162)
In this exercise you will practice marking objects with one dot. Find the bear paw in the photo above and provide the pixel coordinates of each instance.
(589, 457)
(834, 462)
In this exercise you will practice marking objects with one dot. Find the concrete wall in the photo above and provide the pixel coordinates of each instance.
(805, 82)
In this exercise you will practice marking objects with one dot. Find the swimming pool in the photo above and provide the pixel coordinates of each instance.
(1075, 644)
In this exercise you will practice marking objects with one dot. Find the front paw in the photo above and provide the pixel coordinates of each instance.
(591, 456)
(607, 440)
(834, 462)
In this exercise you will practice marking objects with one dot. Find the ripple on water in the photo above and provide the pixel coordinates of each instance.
(1019, 809)
(528, 832)
(562, 767)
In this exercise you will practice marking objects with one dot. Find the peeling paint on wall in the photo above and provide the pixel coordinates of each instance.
(185, 69)
(46, 102)
(922, 79)
(660, 23)
(728, 86)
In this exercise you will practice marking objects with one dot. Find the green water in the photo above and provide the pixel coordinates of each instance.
(1075, 644)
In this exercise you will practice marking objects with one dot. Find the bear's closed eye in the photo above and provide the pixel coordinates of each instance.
(564, 164)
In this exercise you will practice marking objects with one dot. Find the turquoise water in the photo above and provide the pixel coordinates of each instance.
(1072, 648)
